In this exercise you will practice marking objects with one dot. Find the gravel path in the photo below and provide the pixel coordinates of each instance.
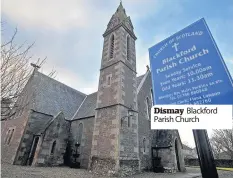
(13, 171)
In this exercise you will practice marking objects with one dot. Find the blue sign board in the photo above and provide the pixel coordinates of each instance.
(187, 68)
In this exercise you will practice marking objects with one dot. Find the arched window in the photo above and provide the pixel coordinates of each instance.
(152, 97)
(53, 147)
(7, 136)
(111, 47)
(80, 132)
(129, 121)
(148, 107)
(128, 48)
(144, 145)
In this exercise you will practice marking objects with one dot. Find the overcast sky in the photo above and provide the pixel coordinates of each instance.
(69, 32)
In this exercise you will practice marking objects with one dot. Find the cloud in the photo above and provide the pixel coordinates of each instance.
(72, 79)
(52, 14)
(60, 15)
(143, 53)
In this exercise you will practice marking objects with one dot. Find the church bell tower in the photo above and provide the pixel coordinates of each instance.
(115, 137)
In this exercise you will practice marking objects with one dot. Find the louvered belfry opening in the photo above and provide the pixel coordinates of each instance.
(112, 47)
(128, 50)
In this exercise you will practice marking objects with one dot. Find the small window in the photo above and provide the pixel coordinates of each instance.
(9, 136)
(129, 121)
(53, 147)
(122, 122)
(80, 133)
(144, 145)
(148, 107)
(109, 79)
(128, 48)
(111, 47)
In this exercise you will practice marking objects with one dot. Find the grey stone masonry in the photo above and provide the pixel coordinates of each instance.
(115, 146)
(54, 137)
(86, 140)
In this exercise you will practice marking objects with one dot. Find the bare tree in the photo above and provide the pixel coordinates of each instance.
(222, 141)
(15, 72)
(216, 148)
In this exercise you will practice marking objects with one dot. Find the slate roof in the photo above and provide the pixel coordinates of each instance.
(52, 96)
(185, 147)
(87, 108)
(139, 79)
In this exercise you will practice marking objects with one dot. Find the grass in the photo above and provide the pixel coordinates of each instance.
(218, 168)
(225, 168)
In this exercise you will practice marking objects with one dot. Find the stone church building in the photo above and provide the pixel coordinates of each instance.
(107, 131)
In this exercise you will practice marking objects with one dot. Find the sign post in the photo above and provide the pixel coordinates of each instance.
(205, 155)
(187, 68)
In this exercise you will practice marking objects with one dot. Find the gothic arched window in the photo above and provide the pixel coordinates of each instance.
(148, 107)
(53, 147)
(128, 48)
(80, 133)
(144, 145)
(129, 121)
(9, 136)
(111, 46)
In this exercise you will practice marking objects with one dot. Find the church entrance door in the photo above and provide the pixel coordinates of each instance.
(177, 155)
(33, 150)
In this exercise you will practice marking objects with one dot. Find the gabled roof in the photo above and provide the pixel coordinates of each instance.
(87, 108)
(185, 147)
(51, 96)
(139, 79)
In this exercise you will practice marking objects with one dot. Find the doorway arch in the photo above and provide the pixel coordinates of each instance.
(177, 151)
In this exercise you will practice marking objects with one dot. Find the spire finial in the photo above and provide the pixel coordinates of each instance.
(120, 2)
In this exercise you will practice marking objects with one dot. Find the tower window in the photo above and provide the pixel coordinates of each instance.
(148, 107)
(128, 46)
(109, 79)
(53, 147)
(111, 47)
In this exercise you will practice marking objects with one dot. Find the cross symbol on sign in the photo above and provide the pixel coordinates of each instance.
(175, 46)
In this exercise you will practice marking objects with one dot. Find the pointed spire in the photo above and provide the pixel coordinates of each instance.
(120, 18)
(120, 12)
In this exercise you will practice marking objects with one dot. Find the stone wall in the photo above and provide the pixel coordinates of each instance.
(86, 143)
(17, 122)
(56, 131)
(218, 162)
(105, 144)
(168, 154)
(36, 123)
(8, 151)
(44, 95)
(144, 131)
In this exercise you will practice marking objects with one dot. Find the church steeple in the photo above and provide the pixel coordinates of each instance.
(120, 18)
(120, 12)
(115, 144)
